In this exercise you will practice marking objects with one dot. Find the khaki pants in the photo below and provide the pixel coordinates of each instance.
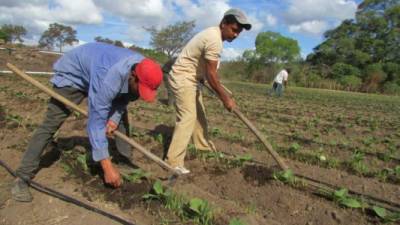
(191, 120)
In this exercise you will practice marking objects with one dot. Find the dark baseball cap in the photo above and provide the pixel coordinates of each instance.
(240, 17)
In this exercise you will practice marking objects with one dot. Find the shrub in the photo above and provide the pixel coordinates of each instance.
(340, 70)
(374, 77)
(351, 82)
(391, 88)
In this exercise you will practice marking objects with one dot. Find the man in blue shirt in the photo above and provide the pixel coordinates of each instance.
(109, 77)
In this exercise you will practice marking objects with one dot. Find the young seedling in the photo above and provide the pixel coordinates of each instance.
(341, 197)
(157, 192)
(385, 216)
(286, 176)
(200, 211)
(136, 176)
(236, 221)
(82, 161)
(294, 148)
(239, 161)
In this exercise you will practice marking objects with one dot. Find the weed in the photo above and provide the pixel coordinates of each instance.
(14, 119)
(215, 132)
(236, 221)
(294, 148)
(357, 163)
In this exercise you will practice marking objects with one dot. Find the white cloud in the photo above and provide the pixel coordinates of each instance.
(205, 12)
(38, 14)
(315, 16)
(271, 20)
(314, 27)
(231, 54)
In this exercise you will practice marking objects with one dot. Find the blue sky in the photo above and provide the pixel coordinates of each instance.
(302, 20)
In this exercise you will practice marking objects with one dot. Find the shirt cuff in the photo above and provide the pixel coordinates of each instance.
(100, 154)
(116, 117)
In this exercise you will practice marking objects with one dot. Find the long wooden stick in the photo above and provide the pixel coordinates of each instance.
(78, 109)
(253, 128)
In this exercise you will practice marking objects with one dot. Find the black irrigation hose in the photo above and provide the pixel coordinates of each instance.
(69, 199)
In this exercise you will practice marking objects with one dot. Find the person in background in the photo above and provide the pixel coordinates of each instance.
(280, 82)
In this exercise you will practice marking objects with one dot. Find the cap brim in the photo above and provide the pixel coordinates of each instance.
(246, 26)
(146, 93)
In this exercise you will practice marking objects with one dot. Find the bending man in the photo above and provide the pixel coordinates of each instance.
(109, 77)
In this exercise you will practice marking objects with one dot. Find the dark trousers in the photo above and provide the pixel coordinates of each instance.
(56, 114)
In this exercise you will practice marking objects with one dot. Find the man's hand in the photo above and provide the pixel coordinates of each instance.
(229, 104)
(111, 175)
(111, 127)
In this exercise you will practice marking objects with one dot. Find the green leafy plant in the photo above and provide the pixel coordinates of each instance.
(159, 138)
(239, 161)
(215, 132)
(136, 176)
(384, 215)
(286, 176)
(157, 192)
(82, 161)
(357, 163)
(236, 221)
(341, 196)
(200, 211)
(294, 148)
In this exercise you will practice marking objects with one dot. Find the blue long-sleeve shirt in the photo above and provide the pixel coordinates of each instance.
(102, 71)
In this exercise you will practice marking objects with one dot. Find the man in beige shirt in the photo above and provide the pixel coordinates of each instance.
(198, 61)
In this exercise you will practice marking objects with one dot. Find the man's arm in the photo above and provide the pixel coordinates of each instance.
(101, 95)
(213, 80)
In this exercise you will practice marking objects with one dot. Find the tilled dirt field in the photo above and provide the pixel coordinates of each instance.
(247, 191)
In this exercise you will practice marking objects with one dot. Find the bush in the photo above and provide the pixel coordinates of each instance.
(351, 83)
(374, 77)
(392, 70)
(391, 88)
(4, 36)
(340, 70)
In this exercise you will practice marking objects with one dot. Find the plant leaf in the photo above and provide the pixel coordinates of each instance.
(381, 212)
(236, 221)
(351, 203)
(158, 188)
(196, 205)
(340, 194)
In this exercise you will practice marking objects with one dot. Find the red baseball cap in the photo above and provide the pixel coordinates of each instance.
(150, 77)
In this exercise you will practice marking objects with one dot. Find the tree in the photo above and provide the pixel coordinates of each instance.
(15, 32)
(4, 36)
(109, 41)
(272, 47)
(104, 40)
(57, 35)
(171, 39)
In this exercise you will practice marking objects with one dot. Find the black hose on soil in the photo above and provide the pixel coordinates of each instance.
(67, 198)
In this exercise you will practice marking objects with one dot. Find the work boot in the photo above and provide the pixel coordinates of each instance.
(20, 192)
